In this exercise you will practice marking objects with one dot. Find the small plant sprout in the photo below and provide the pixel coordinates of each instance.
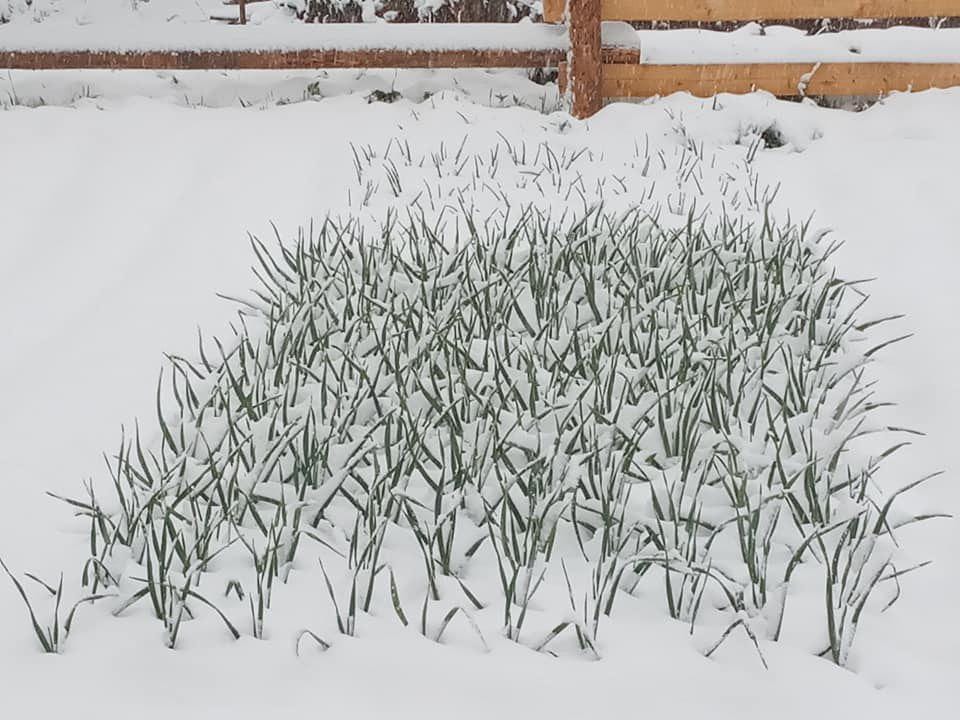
(52, 634)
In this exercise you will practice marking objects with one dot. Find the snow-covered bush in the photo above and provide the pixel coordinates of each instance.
(97, 11)
(305, 10)
(414, 10)
(36, 9)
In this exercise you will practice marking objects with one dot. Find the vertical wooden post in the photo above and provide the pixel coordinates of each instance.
(584, 61)
(243, 12)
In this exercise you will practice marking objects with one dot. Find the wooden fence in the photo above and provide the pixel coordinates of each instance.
(589, 71)
(590, 78)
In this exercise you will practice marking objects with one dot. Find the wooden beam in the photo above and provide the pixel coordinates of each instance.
(278, 59)
(296, 59)
(585, 62)
(715, 10)
(620, 55)
(785, 79)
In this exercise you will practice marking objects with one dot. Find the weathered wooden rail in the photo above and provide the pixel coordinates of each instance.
(590, 69)
(717, 10)
(277, 59)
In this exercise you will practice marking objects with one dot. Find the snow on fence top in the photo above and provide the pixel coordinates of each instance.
(181, 36)
(779, 44)
(747, 45)
(177, 36)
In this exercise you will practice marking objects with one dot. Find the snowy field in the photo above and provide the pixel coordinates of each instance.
(123, 217)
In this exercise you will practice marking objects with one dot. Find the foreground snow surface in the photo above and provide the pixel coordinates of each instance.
(120, 220)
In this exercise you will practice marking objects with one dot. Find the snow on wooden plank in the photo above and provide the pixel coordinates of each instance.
(787, 45)
(186, 46)
(174, 36)
(784, 79)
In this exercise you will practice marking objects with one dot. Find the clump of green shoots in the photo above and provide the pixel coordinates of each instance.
(679, 402)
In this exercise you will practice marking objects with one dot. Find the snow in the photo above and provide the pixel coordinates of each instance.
(145, 36)
(122, 217)
(125, 204)
(888, 193)
(776, 44)
(267, 88)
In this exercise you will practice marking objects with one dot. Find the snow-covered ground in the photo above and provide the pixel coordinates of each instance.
(120, 220)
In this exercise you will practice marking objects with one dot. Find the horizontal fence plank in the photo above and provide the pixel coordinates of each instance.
(296, 59)
(277, 60)
(719, 10)
(784, 79)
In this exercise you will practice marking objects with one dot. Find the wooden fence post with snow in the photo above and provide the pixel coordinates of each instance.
(585, 66)
(581, 74)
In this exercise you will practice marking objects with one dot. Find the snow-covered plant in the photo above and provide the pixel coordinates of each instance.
(674, 407)
(34, 9)
(52, 635)
(517, 421)
(413, 10)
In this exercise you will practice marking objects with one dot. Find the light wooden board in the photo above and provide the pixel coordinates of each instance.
(712, 10)
(553, 10)
(785, 79)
